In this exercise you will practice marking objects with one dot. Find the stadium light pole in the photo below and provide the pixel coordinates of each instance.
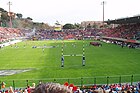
(103, 3)
(10, 22)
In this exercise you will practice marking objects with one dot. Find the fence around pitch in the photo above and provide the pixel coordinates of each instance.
(86, 81)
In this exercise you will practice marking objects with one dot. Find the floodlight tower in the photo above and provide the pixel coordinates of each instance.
(10, 14)
(103, 3)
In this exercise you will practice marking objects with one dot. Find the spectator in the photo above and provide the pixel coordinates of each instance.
(11, 90)
(51, 88)
(3, 84)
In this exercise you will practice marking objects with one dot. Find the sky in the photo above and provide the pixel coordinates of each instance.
(72, 11)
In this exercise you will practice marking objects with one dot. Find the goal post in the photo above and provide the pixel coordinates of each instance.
(73, 55)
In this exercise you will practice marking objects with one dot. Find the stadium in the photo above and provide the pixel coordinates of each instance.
(94, 60)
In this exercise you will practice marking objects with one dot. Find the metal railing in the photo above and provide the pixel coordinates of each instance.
(86, 81)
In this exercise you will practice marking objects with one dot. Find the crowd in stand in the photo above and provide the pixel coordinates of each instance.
(7, 34)
(65, 34)
(127, 31)
(71, 88)
(114, 88)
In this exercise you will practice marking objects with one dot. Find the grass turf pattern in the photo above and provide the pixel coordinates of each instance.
(109, 60)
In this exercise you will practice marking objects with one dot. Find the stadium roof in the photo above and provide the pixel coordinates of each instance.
(128, 20)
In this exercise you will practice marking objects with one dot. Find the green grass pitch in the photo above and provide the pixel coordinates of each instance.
(101, 62)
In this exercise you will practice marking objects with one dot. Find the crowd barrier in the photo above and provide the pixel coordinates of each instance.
(81, 81)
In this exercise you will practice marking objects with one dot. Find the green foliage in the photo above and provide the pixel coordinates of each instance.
(77, 25)
(42, 25)
(29, 18)
(19, 15)
(68, 26)
(2, 10)
(20, 22)
(4, 16)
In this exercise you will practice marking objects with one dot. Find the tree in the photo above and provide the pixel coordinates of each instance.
(2, 10)
(29, 18)
(4, 18)
(68, 26)
(77, 25)
(19, 15)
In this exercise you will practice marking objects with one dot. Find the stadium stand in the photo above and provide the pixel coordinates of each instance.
(8, 34)
(129, 28)
(124, 33)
